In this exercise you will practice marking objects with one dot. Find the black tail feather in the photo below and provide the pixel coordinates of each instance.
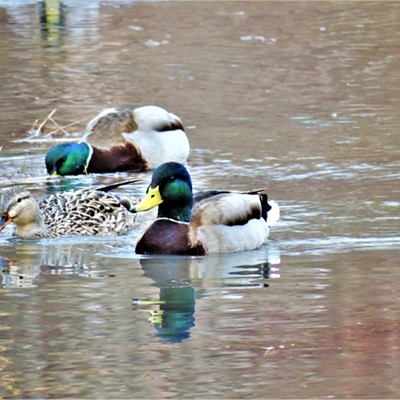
(112, 186)
(264, 204)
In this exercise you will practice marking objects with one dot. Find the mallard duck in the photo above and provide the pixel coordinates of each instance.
(122, 140)
(7, 194)
(76, 212)
(210, 222)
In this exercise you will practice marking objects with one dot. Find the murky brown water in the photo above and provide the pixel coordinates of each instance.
(301, 97)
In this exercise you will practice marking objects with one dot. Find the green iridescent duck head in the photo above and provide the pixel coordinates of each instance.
(171, 190)
(68, 159)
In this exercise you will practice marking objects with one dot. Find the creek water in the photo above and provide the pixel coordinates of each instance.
(298, 97)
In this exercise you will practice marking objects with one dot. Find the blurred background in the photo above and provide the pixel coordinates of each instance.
(298, 97)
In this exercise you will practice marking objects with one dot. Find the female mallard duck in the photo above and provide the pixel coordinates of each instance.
(7, 194)
(79, 212)
(211, 222)
(122, 140)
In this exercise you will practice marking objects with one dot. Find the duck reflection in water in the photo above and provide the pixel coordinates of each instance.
(183, 279)
(26, 261)
(14, 276)
(175, 317)
(52, 22)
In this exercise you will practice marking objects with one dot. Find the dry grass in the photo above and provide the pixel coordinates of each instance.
(49, 126)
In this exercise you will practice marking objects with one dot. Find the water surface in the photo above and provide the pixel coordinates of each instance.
(299, 97)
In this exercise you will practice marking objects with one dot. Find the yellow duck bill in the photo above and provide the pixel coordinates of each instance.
(151, 200)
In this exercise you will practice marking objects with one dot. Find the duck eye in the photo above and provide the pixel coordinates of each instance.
(60, 162)
(19, 200)
(171, 179)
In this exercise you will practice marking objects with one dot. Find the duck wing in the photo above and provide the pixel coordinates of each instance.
(225, 222)
(154, 118)
(106, 128)
(86, 212)
(221, 207)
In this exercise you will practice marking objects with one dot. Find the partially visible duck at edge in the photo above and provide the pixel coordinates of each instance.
(209, 222)
(122, 140)
(80, 212)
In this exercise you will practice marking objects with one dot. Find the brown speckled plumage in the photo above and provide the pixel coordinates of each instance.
(86, 212)
(80, 212)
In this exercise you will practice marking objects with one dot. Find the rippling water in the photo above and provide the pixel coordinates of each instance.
(299, 97)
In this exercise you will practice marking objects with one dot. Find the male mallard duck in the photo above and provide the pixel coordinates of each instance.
(122, 140)
(79, 212)
(211, 222)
